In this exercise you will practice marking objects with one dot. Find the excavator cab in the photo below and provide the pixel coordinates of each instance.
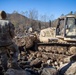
(67, 31)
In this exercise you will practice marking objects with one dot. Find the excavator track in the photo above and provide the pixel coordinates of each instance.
(56, 47)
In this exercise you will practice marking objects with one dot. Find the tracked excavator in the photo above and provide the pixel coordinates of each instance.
(60, 39)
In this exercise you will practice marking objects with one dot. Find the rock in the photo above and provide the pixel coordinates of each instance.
(72, 50)
(36, 63)
(17, 72)
(1, 70)
(25, 41)
(33, 72)
(67, 59)
(44, 56)
(49, 71)
(43, 65)
(39, 55)
(14, 65)
(69, 69)
(24, 64)
(20, 41)
(73, 58)
(48, 62)
(22, 56)
(23, 53)
(55, 63)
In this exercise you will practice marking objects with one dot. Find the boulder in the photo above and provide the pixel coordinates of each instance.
(49, 71)
(44, 56)
(36, 63)
(1, 70)
(66, 59)
(72, 50)
(69, 69)
(17, 72)
(25, 41)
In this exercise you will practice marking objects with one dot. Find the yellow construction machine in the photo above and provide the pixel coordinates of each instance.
(60, 39)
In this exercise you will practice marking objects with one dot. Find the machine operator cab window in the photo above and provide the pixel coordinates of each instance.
(60, 28)
(70, 27)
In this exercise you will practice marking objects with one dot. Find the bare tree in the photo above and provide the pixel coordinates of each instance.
(52, 17)
(62, 14)
(43, 18)
(26, 14)
(15, 11)
(33, 14)
(22, 12)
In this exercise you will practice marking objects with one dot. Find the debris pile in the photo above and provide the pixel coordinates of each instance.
(41, 62)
